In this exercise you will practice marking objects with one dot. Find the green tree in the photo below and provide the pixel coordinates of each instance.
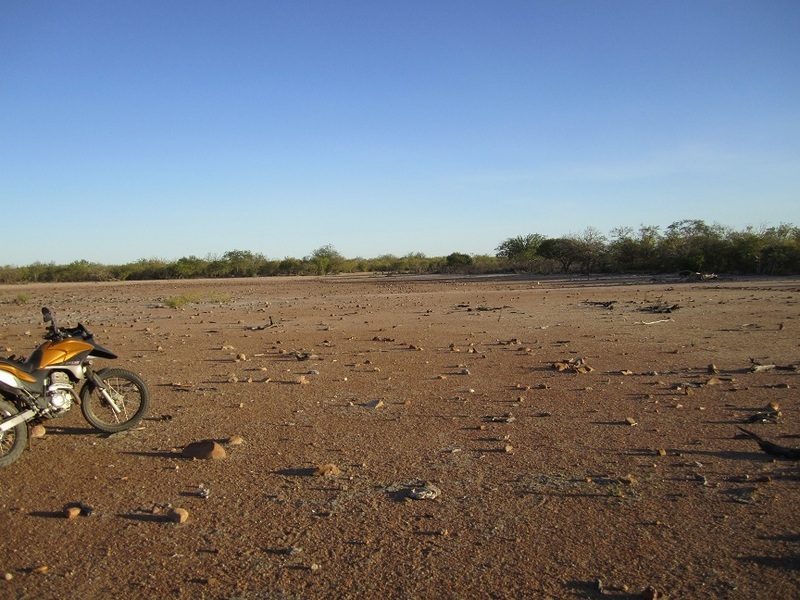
(241, 263)
(416, 262)
(290, 266)
(563, 250)
(634, 253)
(458, 261)
(189, 267)
(325, 260)
(691, 244)
(520, 251)
(589, 248)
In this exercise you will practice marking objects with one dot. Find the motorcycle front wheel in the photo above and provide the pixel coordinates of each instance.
(12, 442)
(128, 391)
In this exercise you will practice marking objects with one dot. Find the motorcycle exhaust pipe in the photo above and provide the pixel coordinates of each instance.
(12, 422)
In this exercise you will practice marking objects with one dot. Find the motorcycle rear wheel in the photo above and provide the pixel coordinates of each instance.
(129, 392)
(13, 441)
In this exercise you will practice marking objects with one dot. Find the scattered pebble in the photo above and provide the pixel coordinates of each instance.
(651, 593)
(327, 470)
(426, 492)
(204, 450)
(37, 431)
(178, 515)
(72, 512)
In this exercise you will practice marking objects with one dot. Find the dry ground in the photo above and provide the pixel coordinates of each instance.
(547, 489)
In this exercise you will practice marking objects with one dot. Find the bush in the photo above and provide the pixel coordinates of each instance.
(182, 300)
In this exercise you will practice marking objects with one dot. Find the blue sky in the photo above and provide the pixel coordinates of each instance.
(155, 129)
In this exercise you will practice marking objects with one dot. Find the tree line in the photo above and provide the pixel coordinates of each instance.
(687, 245)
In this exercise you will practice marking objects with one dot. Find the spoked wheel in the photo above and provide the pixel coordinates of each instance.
(12, 442)
(129, 393)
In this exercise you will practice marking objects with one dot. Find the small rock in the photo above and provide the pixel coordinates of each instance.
(234, 440)
(661, 452)
(426, 492)
(204, 449)
(86, 509)
(652, 593)
(631, 421)
(178, 515)
(72, 512)
(8, 576)
(506, 418)
(37, 431)
(374, 403)
(328, 470)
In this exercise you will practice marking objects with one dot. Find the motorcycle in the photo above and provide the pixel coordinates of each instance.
(43, 386)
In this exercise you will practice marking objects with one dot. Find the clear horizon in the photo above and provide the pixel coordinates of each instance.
(144, 130)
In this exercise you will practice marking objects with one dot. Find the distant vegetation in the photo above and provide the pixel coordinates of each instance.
(688, 245)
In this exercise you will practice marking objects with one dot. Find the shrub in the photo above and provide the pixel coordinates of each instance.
(182, 300)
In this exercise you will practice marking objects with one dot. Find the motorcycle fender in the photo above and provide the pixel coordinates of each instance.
(8, 379)
(11, 422)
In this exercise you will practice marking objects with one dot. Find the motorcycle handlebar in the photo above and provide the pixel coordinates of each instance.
(58, 333)
(48, 317)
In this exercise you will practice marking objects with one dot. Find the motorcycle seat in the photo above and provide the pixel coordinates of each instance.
(26, 365)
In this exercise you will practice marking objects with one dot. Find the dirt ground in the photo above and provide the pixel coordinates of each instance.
(622, 476)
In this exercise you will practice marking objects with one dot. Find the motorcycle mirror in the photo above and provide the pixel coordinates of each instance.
(46, 315)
